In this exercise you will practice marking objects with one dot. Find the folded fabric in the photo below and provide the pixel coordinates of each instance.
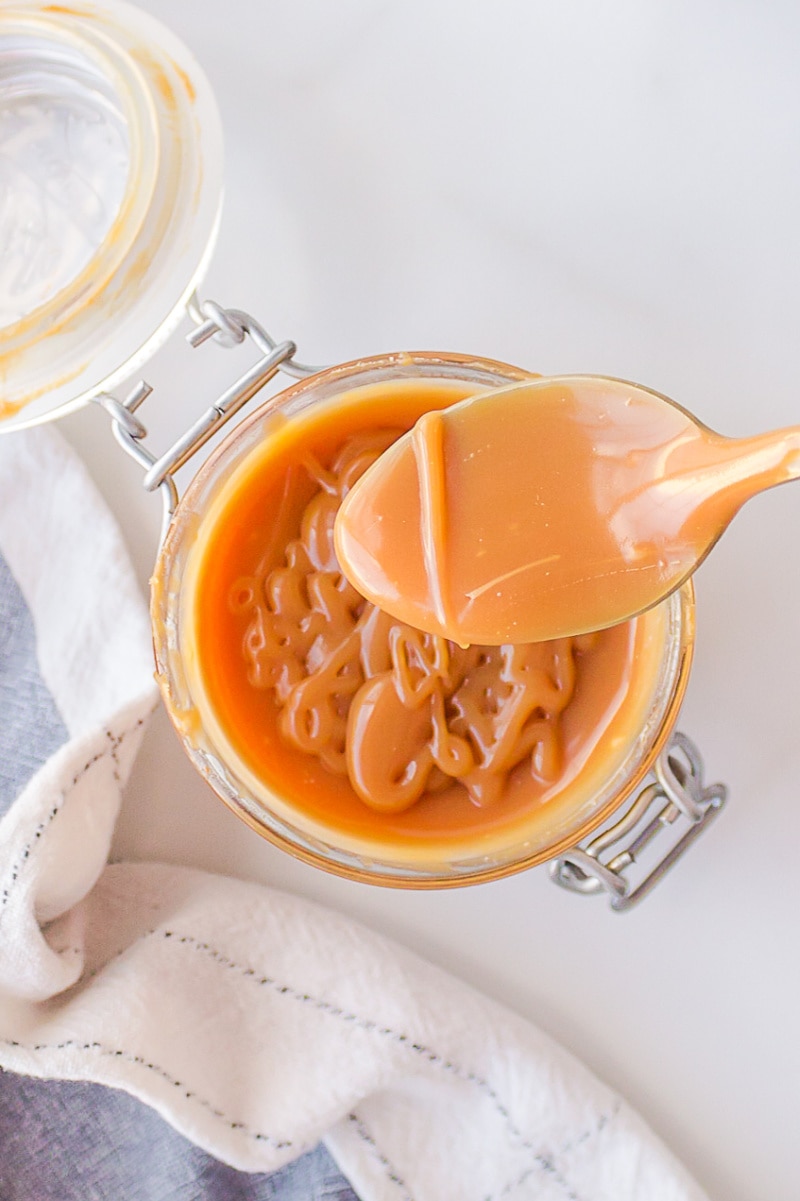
(254, 1023)
(65, 1140)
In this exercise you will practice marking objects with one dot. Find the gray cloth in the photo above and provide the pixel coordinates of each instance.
(31, 728)
(70, 1141)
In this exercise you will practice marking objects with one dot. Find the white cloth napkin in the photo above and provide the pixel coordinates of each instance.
(254, 1022)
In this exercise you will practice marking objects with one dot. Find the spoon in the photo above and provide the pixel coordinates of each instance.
(547, 509)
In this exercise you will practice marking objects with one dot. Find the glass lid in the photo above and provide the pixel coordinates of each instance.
(110, 193)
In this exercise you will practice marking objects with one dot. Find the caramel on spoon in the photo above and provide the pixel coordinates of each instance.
(547, 509)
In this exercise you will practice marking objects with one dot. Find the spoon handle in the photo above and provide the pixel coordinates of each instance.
(757, 463)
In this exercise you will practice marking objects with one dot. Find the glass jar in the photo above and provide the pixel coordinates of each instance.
(112, 106)
(652, 697)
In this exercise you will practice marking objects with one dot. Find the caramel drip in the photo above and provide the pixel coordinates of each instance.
(428, 442)
(401, 713)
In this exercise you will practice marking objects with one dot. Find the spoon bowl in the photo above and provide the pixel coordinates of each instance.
(547, 509)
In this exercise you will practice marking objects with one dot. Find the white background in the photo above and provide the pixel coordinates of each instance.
(604, 187)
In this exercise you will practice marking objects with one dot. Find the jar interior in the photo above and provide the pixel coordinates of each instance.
(425, 844)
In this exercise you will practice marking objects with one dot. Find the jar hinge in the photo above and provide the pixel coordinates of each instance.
(677, 777)
(227, 327)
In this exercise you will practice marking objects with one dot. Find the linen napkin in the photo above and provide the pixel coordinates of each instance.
(165, 1030)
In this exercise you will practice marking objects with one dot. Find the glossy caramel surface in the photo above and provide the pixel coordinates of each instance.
(363, 726)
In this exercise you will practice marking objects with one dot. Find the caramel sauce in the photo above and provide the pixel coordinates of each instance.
(359, 724)
(547, 509)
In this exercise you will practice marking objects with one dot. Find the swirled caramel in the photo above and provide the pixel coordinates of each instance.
(363, 728)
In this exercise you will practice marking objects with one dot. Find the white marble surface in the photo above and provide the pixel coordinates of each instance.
(609, 187)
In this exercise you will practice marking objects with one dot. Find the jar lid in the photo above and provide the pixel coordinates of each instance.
(110, 194)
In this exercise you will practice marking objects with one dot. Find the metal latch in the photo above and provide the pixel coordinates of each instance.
(601, 865)
(228, 327)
